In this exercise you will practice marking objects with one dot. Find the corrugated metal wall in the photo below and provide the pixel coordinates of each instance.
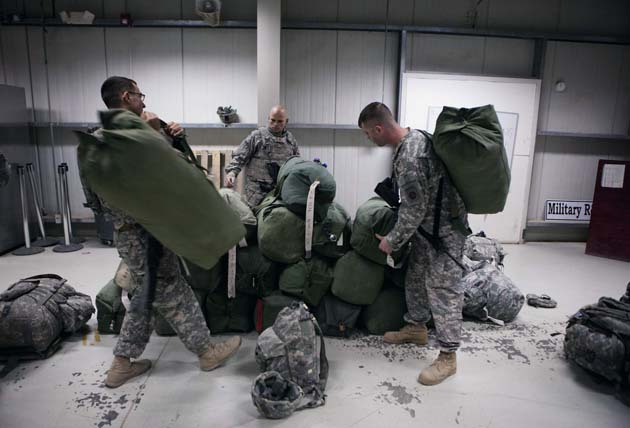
(327, 77)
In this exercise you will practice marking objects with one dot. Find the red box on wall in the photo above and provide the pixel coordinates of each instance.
(609, 229)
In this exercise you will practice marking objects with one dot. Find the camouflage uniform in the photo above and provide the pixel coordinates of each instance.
(262, 152)
(174, 299)
(432, 283)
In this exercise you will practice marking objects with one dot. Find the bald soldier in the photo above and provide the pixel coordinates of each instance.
(263, 152)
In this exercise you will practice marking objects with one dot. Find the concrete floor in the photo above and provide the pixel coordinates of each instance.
(512, 376)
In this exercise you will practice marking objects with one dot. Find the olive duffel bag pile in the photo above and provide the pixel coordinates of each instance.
(36, 312)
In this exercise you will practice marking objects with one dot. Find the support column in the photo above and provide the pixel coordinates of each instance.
(268, 30)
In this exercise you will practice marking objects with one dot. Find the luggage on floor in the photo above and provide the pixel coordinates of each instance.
(307, 280)
(478, 247)
(294, 181)
(36, 311)
(268, 308)
(190, 217)
(110, 310)
(280, 234)
(357, 280)
(204, 279)
(598, 340)
(386, 313)
(230, 315)
(375, 216)
(236, 201)
(291, 347)
(331, 237)
(470, 143)
(337, 318)
(490, 295)
(255, 274)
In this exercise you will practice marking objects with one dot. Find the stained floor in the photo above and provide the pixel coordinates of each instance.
(511, 376)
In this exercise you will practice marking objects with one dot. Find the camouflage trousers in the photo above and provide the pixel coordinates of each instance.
(174, 299)
(433, 286)
(255, 191)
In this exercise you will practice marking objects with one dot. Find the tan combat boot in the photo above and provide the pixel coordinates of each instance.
(123, 369)
(218, 353)
(445, 365)
(411, 333)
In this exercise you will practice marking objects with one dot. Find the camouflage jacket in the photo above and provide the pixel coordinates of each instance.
(417, 172)
(260, 149)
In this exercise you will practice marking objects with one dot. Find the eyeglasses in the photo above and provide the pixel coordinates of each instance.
(140, 94)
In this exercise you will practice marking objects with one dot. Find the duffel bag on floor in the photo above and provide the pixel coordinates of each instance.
(357, 280)
(307, 280)
(336, 317)
(35, 311)
(386, 313)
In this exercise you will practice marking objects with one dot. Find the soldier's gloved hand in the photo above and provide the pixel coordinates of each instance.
(152, 119)
(230, 179)
(384, 245)
(173, 129)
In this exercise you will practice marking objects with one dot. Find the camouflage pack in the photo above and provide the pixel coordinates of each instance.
(598, 340)
(36, 311)
(290, 347)
(490, 295)
(478, 247)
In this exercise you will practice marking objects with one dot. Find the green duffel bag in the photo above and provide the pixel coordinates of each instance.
(331, 238)
(236, 201)
(335, 317)
(110, 310)
(357, 280)
(294, 181)
(134, 169)
(280, 234)
(255, 274)
(307, 280)
(374, 216)
(230, 315)
(163, 328)
(268, 308)
(395, 277)
(386, 313)
(470, 143)
(202, 279)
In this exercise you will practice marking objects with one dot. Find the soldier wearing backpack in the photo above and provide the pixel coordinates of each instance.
(428, 202)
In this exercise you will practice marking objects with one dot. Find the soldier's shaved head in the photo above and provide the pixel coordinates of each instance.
(278, 110)
(278, 119)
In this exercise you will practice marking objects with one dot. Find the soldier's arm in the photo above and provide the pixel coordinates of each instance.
(242, 155)
(414, 202)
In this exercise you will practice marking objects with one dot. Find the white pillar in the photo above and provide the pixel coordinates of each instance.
(268, 56)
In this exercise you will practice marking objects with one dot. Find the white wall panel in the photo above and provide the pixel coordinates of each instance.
(376, 11)
(589, 17)
(449, 13)
(308, 75)
(153, 58)
(320, 11)
(359, 166)
(453, 54)
(76, 70)
(219, 70)
(531, 15)
(508, 57)
(592, 75)
(38, 74)
(366, 66)
(621, 121)
(566, 168)
(15, 61)
(317, 143)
